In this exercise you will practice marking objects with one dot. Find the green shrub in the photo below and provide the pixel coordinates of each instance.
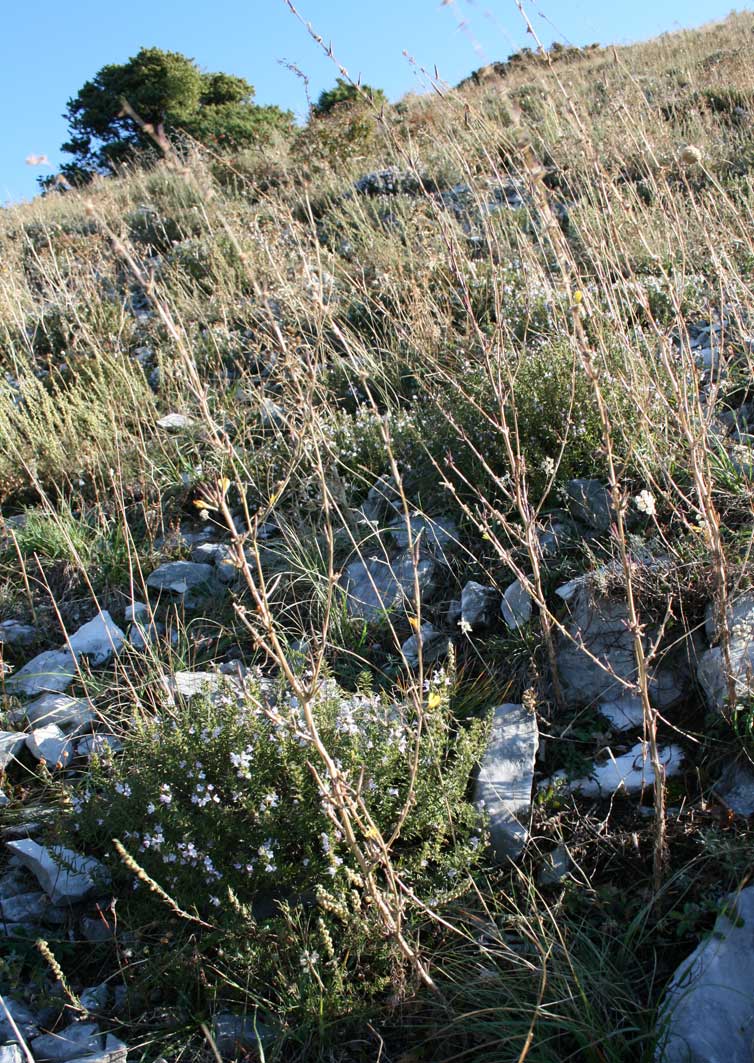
(219, 804)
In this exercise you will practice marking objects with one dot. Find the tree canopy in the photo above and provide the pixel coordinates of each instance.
(344, 92)
(167, 92)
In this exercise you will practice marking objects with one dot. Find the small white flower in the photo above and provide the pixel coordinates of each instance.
(645, 503)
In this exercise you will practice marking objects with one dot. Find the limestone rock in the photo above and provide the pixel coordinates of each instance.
(479, 605)
(50, 745)
(434, 644)
(174, 422)
(53, 670)
(188, 580)
(65, 876)
(707, 1015)
(378, 585)
(98, 640)
(11, 744)
(628, 773)
(13, 633)
(506, 776)
(736, 789)
(516, 606)
(588, 501)
(75, 1041)
(70, 714)
(711, 671)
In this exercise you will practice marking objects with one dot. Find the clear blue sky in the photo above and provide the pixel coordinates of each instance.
(49, 48)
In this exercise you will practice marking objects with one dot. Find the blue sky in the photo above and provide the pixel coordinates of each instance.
(49, 48)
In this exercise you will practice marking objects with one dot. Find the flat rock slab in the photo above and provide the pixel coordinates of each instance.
(50, 745)
(589, 502)
(437, 534)
(65, 876)
(506, 776)
(434, 644)
(628, 773)
(707, 1015)
(624, 713)
(77, 1040)
(596, 659)
(14, 633)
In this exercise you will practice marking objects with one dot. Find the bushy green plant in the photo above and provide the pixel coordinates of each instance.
(345, 92)
(219, 803)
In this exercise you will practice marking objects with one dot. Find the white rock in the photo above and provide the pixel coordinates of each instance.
(624, 712)
(189, 580)
(10, 1054)
(378, 585)
(24, 907)
(174, 422)
(65, 876)
(50, 745)
(736, 789)
(136, 611)
(630, 773)
(98, 640)
(516, 606)
(101, 745)
(506, 776)
(707, 1015)
(11, 744)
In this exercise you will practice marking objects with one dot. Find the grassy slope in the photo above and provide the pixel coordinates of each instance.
(393, 329)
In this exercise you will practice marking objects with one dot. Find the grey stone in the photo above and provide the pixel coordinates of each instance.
(628, 773)
(736, 789)
(623, 712)
(97, 928)
(555, 867)
(707, 1015)
(174, 422)
(53, 670)
(11, 1054)
(193, 684)
(98, 639)
(100, 745)
(378, 585)
(24, 907)
(136, 611)
(556, 533)
(234, 1033)
(114, 1051)
(75, 1041)
(70, 714)
(506, 776)
(23, 1017)
(436, 534)
(65, 876)
(50, 745)
(516, 606)
(479, 605)
(711, 671)
(190, 581)
(599, 629)
(11, 744)
(383, 499)
(589, 502)
(96, 997)
(434, 644)
(14, 633)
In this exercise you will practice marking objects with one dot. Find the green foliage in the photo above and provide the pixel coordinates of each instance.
(218, 803)
(169, 94)
(345, 92)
